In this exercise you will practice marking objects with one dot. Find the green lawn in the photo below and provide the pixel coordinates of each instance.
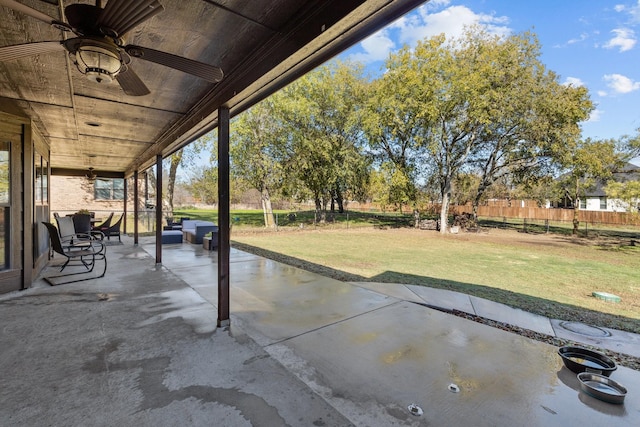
(552, 274)
(547, 274)
(294, 219)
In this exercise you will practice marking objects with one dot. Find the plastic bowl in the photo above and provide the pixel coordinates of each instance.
(602, 387)
(579, 359)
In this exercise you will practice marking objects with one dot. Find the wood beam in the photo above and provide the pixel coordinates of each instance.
(159, 209)
(224, 246)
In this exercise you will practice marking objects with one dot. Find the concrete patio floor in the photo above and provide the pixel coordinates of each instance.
(139, 347)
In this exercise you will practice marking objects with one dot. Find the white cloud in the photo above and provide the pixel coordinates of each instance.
(450, 21)
(436, 4)
(595, 116)
(430, 19)
(582, 38)
(573, 81)
(602, 93)
(621, 84)
(634, 11)
(376, 48)
(624, 39)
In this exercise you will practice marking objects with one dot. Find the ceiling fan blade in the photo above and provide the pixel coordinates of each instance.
(120, 16)
(17, 51)
(19, 7)
(189, 66)
(82, 17)
(131, 83)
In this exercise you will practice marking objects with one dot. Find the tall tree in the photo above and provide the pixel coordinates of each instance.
(174, 162)
(628, 192)
(322, 113)
(588, 161)
(394, 127)
(484, 104)
(526, 117)
(203, 185)
(256, 156)
(185, 157)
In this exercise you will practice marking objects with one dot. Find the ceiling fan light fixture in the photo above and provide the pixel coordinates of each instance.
(91, 176)
(100, 64)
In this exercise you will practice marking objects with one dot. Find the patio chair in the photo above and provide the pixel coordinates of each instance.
(82, 223)
(114, 230)
(67, 232)
(102, 228)
(85, 254)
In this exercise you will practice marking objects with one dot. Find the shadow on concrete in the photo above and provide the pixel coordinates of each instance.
(535, 305)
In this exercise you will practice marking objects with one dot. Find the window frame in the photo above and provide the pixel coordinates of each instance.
(112, 189)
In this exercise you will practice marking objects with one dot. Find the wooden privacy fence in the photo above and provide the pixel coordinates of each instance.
(553, 214)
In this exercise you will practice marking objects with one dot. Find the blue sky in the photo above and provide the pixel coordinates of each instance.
(594, 43)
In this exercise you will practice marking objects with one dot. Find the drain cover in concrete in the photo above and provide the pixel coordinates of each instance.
(582, 329)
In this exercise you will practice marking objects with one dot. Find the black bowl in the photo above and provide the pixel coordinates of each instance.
(579, 359)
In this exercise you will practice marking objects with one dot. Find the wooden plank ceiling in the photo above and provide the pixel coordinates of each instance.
(260, 45)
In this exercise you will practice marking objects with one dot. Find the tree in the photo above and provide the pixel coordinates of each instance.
(322, 114)
(174, 161)
(628, 192)
(484, 105)
(203, 184)
(255, 152)
(393, 126)
(185, 157)
(630, 145)
(589, 161)
(527, 118)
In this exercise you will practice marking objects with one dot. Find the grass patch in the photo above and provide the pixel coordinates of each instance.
(254, 219)
(551, 275)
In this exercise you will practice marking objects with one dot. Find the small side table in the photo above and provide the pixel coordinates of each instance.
(210, 242)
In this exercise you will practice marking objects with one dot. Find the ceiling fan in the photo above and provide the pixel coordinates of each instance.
(91, 175)
(99, 50)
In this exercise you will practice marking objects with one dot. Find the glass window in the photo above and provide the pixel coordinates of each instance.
(109, 189)
(118, 189)
(583, 203)
(37, 182)
(603, 203)
(5, 171)
(5, 200)
(45, 181)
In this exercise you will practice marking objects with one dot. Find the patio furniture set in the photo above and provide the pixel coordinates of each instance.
(191, 231)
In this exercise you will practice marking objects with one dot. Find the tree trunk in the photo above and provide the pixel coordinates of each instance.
(576, 208)
(476, 201)
(340, 201)
(444, 209)
(318, 213)
(269, 220)
(176, 158)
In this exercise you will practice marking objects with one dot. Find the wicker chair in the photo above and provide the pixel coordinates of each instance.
(114, 230)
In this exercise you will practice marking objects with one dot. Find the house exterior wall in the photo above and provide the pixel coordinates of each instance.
(71, 193)
(25, 202)
(613, 205)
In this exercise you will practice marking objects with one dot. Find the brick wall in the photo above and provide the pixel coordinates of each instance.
(72, 193)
